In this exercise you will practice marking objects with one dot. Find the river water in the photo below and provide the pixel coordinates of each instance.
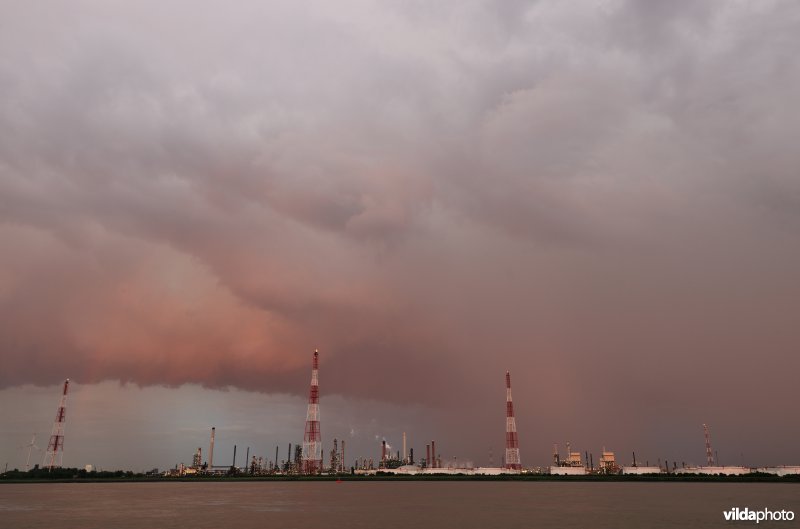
(386, 504)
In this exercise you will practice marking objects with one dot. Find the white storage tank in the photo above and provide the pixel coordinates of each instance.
(641, 470)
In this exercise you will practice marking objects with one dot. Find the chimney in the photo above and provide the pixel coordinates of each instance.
(211, 449)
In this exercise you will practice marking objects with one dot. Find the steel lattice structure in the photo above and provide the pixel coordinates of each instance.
(709, 457)
(55, 448)
(512, 442)
(312, 440)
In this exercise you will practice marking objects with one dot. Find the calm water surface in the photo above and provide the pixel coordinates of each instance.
(463, 505)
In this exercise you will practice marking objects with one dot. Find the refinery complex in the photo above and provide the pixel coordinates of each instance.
(308, 458)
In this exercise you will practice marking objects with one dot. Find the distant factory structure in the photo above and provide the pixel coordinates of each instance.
(307, 458)
(712, 467)
(571, 466)
(636, 469)
(433, 463)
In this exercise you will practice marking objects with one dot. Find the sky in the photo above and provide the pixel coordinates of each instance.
(601, 197)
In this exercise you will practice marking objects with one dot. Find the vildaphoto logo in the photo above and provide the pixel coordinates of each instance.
(747, 515)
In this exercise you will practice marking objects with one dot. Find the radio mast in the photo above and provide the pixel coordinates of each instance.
(512, 442)
(312, 440)
(55, 448)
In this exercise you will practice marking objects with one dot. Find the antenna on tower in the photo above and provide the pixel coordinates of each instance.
(55, 448)
(312, 440)
(709, 457)
(512, 461)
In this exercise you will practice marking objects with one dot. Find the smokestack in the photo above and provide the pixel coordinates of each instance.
(383, 453)
(433, 453)
(405, 454)
(276, 457)
(247, 457)
(234, 457)
(411, 457)
(211, 449)
(634, 460)
(428, 455)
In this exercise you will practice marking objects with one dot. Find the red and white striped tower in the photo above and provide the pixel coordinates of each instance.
(709, 457)
(512, 443)
(312, 440)
(55, 448)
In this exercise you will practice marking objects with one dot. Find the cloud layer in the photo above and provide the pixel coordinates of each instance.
(602, 198)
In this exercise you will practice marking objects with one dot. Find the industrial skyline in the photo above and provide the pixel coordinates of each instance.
(308, 458)
(599, 197)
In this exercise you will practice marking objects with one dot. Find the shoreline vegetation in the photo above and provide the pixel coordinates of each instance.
(66, 475)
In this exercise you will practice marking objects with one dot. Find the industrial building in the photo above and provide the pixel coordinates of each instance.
(608, 463)
(714, 470)
(567, 471)
(784, 470)
(414, 470)
(571, 466)
(638, 471)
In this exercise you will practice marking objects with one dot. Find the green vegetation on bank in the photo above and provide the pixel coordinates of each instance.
(81, 475)
(59, 474)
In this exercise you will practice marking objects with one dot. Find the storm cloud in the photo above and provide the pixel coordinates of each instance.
(602, 197)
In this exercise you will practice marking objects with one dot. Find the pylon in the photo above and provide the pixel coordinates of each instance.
(709, 457)
(55, 448)
(512, 461)
(312, 440)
